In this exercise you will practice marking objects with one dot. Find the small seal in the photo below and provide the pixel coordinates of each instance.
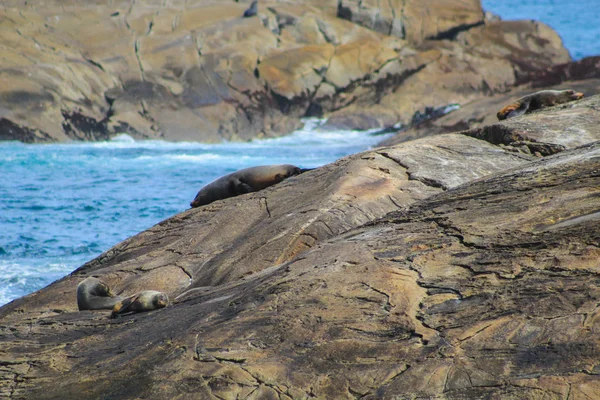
(536, 101)
(252, 10)
(93, 294)
(147, 300)
(244, 181)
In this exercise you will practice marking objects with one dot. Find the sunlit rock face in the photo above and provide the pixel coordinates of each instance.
(199, 71)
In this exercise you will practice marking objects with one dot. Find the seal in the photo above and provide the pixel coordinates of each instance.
(147, 300)
(244, 181)
(252, 10)
(93, 294)
(536, 101)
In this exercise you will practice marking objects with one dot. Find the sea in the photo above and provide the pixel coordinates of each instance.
(62, 205)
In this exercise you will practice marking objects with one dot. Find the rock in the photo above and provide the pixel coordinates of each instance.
(584, 69)
(446, 267)
(414, 21)
(199, 71)
(482, 112)
(566, 126)
(483, 61)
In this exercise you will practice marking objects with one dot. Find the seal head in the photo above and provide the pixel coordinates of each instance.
(252, 10)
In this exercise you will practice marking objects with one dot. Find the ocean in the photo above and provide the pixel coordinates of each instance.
(64, 204)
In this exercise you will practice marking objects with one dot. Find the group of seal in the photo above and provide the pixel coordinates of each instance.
(245, 181)
(536, 101)
(93, 294)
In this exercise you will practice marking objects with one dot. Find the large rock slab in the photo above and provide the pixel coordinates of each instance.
(233, 238)
(468, 288)
(198, 71)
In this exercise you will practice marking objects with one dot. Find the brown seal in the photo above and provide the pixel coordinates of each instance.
(537, 100)
(93, 294)
(147, 300)
(244, 181)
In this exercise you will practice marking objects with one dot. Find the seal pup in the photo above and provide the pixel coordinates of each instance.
(536, 101)
(252, 10)
(93, 294)
(245, 181)
(147, 300)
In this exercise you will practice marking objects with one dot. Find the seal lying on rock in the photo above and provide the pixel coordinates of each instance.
(147, 300)
(93, 294)
(537, 100)
(244, 181)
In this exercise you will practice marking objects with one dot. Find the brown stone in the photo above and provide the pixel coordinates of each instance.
(480, 114)
(414, 21)
(446, 267)
(196, 70)
(482, 61)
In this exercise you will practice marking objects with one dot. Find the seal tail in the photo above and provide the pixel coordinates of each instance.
(303, 170)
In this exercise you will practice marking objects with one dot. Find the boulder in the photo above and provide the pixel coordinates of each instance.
(447, 267)
(414, 21)
(485, 60)
(199, 71)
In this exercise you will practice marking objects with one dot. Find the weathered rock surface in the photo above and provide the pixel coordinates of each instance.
(197, 70)
(413, 20)
(582, 75)
(447, 267)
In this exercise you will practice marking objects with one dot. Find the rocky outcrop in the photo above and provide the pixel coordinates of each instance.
(447, 267)
(413, 21)
(582, 75)
(197, 70)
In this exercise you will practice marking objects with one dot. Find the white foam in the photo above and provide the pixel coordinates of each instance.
(122, 138)
(22, 277)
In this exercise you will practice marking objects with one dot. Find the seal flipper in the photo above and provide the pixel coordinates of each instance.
(513, 110)
(517, 112)
(240, 187)
(122, 307)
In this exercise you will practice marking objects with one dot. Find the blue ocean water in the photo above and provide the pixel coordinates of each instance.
(64, 204)
(576, 21)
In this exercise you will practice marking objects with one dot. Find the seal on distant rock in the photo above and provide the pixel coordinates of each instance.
(93, 294)
(536, 101)
(244, 181)
(252, 10)
(147, 300)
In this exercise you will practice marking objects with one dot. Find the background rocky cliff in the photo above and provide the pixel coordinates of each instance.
(197, 70)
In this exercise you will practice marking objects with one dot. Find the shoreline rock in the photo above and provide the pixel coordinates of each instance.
(444, 267)
(581, 75)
